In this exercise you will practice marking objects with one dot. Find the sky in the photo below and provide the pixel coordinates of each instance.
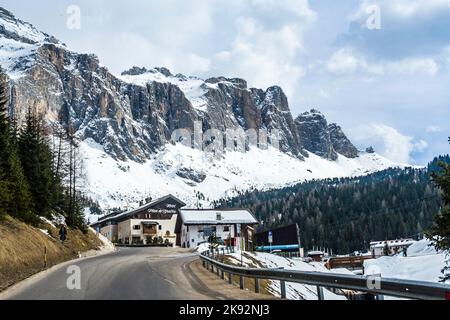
(378, 68)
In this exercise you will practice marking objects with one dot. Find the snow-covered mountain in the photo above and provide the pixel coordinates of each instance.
(125, 124)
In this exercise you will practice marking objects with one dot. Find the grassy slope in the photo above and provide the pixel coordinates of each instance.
(22, 249)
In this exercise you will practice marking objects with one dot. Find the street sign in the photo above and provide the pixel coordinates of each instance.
(270, 237)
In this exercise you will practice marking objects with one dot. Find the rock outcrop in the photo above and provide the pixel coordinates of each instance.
(133, 115)
(323, 139)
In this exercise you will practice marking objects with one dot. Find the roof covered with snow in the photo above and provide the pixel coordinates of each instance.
(120, 215)
(392, 243)
(202, 217)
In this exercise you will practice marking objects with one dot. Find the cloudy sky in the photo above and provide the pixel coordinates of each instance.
(379, 68)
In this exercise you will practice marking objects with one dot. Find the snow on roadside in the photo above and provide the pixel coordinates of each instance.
(294, 291)
(108, 246)
(423, 263)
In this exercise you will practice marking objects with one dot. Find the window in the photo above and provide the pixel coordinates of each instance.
(137, 227)
(159, 227)
(226, 229)
(187, 229)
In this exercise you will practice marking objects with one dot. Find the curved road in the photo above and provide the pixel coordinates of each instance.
(129, 274)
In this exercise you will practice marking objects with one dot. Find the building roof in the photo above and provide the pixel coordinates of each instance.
(392, 243)
(142, 208)
(210, 216)
(316, 253)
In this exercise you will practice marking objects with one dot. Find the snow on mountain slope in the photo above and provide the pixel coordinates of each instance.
(15, 57)
(193, 88)
(19, 42)
(423, 263)
(125, 124)
(183, 172)
(19, 28)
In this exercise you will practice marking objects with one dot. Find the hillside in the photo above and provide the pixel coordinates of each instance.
(423, 263)
(346, 214)
(23, 249)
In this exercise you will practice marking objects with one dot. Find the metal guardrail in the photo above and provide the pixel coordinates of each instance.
(377, 286)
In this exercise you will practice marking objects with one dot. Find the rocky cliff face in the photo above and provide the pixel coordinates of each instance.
(323, 139)
(133, 115)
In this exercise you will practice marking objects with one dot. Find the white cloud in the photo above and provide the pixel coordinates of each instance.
(299, 7)
(388, 142)
(266, 54)
(401, 8)
(434, 129)
(412, 66)
(420, 146)
(348, 61)
(446, 55)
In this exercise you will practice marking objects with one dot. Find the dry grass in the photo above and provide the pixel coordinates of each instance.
(249, 283)
(22, 249)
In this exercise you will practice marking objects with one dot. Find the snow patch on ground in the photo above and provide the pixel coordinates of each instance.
(108, 246)
(123, 184)
(44, 231)
(46, 221)
(294, 291)
(423, 263)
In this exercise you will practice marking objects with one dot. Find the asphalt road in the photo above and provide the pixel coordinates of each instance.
(129, 274)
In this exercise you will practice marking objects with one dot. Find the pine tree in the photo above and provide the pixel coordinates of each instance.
(14, 192)
(37, 162)
(5, 194)
(440, 231)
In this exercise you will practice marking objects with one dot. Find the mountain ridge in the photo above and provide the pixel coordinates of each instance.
(129, 119)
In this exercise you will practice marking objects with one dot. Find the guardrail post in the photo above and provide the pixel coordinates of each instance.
(283, 289)
(257, 289)
(416, 290)
(241, 282)
(320, 294)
